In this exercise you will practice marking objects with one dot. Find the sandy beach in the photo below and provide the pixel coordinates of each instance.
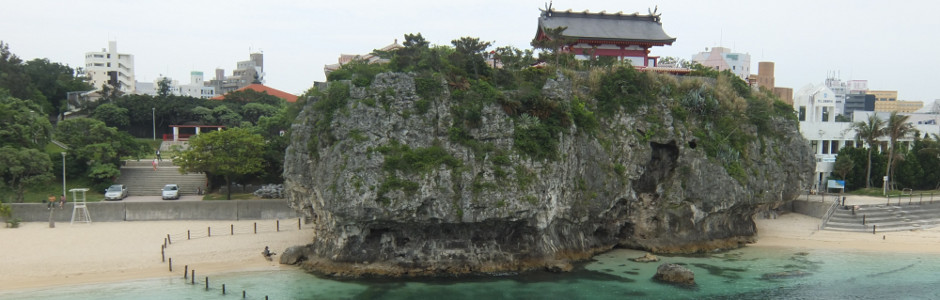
(35, 255)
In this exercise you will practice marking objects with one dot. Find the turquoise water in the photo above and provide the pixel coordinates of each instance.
(737, 274)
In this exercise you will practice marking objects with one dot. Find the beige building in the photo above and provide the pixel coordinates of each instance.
(898, 106)
(884, 95)
(785, 94)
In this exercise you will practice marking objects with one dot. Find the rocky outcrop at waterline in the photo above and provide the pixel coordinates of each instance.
(427, 182)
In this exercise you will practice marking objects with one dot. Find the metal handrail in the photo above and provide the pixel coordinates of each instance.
(832, 210)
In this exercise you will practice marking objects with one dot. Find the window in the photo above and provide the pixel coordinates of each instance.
(802, 113)
(825, 147)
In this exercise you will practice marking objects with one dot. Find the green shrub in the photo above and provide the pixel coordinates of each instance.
(400, 157)
(583, 117)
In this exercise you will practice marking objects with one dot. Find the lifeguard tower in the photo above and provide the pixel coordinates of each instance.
(79, 209)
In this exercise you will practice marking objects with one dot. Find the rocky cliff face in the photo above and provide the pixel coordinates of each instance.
(456, 209)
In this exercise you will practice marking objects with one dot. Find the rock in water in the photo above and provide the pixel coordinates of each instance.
(447, 179)
(646, 258)
(673, 273)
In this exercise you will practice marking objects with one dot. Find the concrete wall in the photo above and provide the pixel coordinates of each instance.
(159, 211)
(810, 208)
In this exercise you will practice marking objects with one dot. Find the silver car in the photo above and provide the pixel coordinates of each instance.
(171, 191)
(115, 192)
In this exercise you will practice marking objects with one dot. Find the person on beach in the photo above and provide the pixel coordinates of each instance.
(154, 164)
(61, 201)
(158, 155)
(51, 200)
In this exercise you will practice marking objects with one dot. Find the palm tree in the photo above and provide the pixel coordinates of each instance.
(869, 132)
(896, 127)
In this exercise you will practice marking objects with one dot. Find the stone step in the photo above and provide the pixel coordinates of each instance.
(886, 217)
(144, 181)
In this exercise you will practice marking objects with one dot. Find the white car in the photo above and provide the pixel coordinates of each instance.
(115, 192)
(171, 191)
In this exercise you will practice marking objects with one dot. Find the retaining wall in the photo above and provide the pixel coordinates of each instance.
(811, 208)
(160, 211)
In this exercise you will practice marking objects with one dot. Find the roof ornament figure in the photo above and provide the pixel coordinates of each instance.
(548, 9)
(654, 14)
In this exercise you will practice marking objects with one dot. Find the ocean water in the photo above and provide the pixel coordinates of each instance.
(736, 274)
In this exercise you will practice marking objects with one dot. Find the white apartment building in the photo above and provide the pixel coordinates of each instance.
(196, 88)
(815, 103)
(839, 90)
(722, 58)
(111, 67)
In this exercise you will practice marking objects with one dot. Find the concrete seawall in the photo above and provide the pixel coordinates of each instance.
(161, 211)
(816, 209)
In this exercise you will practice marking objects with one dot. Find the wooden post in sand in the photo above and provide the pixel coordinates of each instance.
(278, 225)
(162, 254)
(256, 227)
(298, 223)
(207, 283)
(233, 230)
(171, 264)
(209, 230)
(170, 241)
(187, 234)
(873, 227)
(185, 272)
(193, 277)
(223, 289)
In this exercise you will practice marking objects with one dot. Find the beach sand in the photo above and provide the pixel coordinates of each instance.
(35, 255)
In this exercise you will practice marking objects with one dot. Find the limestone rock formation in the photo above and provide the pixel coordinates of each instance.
(402, 184)
(676, 274)
(647, 257)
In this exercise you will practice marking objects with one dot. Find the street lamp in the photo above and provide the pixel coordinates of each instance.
(153, 116)
(63, 174)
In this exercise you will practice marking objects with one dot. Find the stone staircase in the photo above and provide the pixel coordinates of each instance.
(142, 180)
(887, 217)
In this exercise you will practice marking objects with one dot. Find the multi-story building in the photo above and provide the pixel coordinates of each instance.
(246, 73)
(815, 103)
(111, 68)
(898, 106)
(858, 102)
(884, 95)
(722, 58)
(196, 88)
(839, 90)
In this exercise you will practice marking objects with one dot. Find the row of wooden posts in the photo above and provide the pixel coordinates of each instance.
(191, 274)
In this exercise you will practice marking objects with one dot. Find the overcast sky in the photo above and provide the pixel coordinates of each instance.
(893, 45)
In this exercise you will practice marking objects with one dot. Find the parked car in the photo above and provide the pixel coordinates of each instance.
(115, 192)
(171, 191)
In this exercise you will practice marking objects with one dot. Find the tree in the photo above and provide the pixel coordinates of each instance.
(112, 115)
(163, 87)
(21, 123)
(554, 40)
(869, 131)
(227, 153)
(53, 81)
(843, 166)
(23, 167)
(97, 146)
(897, 127)
(469, 54)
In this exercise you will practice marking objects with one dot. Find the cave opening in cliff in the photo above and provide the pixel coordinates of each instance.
(662, 163)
